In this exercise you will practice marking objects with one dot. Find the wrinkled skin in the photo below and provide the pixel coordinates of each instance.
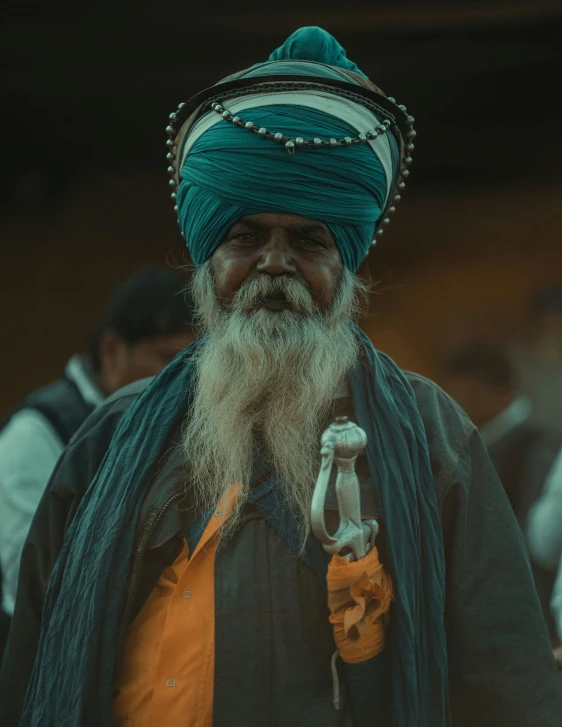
(278, 243)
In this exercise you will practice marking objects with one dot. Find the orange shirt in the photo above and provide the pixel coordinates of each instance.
(167, 671)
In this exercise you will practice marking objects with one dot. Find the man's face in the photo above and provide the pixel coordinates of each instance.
(278, 244)
(149, 357)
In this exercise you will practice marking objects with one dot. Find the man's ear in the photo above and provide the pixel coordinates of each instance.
(112, 354)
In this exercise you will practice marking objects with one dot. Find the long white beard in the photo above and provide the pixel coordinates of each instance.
(267, 376)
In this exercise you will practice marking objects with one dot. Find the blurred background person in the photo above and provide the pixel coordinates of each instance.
(538, 360)
(544, 536)
(481, 378)
(147, 322)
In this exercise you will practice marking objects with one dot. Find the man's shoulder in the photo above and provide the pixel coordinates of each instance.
(28, 436)
(103, 421)
(122, 398)
(88, 446)
(27, 410)
(435, 404)
(447, 427)
(60, 403)
(118, 402)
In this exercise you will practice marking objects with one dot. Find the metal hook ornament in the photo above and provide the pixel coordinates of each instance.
(341, 444)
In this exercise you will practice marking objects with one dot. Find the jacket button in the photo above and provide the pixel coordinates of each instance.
(171, 682)
(186, 594)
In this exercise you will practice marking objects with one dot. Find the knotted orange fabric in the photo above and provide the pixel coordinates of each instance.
(359, 595)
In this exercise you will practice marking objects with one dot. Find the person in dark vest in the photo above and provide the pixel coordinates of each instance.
(148, 320)
(481, 378)
(172, 575)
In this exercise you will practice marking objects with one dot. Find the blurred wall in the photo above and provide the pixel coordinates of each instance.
(492, 251)
(62, 266)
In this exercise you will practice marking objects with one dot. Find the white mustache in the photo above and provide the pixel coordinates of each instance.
(256, 291)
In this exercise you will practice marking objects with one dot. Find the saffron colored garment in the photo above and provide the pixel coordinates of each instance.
(168, 662)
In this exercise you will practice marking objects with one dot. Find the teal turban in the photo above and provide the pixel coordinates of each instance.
(230, 172)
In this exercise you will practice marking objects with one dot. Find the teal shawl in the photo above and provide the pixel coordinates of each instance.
(71, 684)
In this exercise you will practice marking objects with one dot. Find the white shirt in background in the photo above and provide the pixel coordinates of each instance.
(29, 450)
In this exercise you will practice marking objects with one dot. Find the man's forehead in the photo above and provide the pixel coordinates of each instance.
(286, 220)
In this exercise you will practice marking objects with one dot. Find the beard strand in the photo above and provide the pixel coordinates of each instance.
(267, 377)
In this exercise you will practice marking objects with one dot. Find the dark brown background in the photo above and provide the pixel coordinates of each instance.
(86, 91)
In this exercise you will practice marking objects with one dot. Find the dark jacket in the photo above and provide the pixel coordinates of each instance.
(501, 668)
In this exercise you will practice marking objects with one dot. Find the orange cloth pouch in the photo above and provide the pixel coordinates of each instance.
(359, 595)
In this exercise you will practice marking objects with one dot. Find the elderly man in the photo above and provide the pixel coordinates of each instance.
(188, 589)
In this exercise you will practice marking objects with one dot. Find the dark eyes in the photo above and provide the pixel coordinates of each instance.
(246, 236)
(311, 242)
(255, 239)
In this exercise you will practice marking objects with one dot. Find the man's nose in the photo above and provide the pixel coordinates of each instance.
(277, 257)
